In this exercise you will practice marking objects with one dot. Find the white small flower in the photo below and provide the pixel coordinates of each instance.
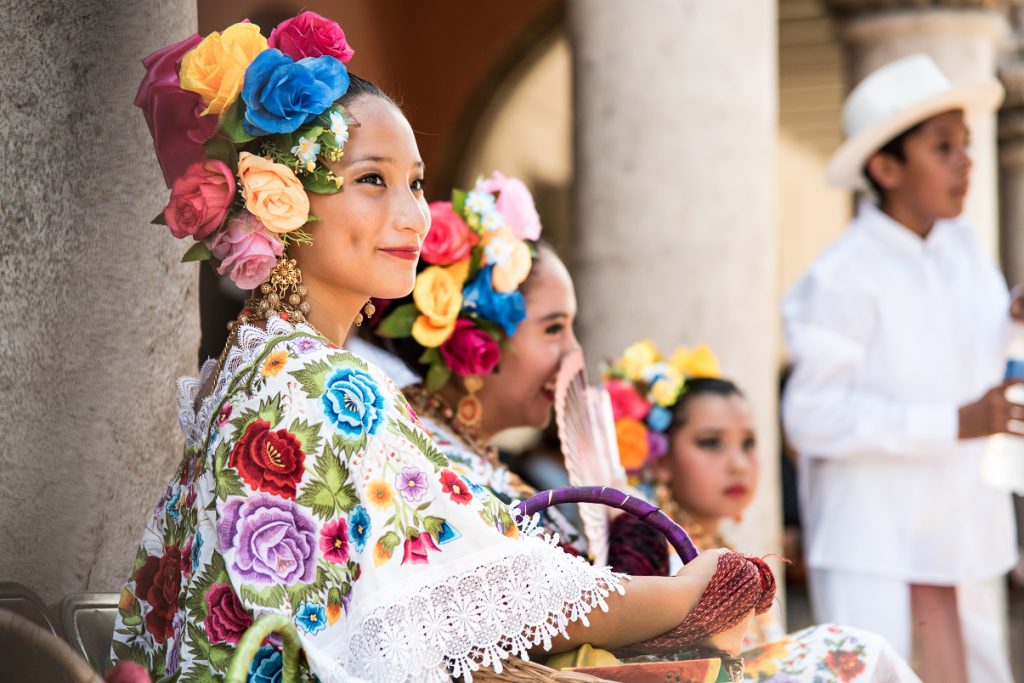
(306, 152)
(499, 251)
(493, 221)
(339, 128)
(480, 202)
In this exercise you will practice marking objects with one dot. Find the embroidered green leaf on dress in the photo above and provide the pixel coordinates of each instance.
(299, 593)
(308, 435)
(330, 490)
(313, 375)
(214, 572)
(220, 656)
(199, 641)
(133, 653)
(422, 443)
(269, 411)
(271, 596)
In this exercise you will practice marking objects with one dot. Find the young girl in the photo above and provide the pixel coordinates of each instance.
(687, 438)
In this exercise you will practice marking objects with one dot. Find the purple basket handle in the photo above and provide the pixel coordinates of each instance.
(649, 514)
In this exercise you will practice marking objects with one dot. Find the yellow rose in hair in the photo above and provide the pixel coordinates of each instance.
(272, 193)
(637, 357)
(459, 271)
(215, 68)
(439, 299)
(666, 390)
(701, 362)
(506, 277)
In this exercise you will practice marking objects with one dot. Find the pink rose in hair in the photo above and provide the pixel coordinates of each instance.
(515, 204)
(172, 114)
(449, 239)
(311, 35)
(247, 251)
(200, 199)
(470, 350)
(626, 402)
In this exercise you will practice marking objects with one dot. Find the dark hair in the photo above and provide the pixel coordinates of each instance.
(357, 87)
(896, 148)
(697, 387)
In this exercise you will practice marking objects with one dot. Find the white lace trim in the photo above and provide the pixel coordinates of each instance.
(195, 420)
(478, 618)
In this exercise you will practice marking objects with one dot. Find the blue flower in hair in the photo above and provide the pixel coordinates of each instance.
(505, 310)
(281, 95)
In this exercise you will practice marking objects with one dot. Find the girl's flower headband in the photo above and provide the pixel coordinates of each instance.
(241, 125)
(466, 300)
(644, 387)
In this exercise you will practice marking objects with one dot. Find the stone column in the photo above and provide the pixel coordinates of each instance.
(963, 37)
(675, 214)
(1011, 171)
(98, 317)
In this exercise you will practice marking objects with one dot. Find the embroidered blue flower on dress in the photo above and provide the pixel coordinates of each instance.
(447, 534)
(311, 617)
(197, 551)
(353, 403)
(266, 666)
(173, 507)
(359, 527)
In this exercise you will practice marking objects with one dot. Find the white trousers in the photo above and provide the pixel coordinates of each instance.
(882, 604)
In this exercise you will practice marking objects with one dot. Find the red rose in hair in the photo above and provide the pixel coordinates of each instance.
(449, 239)
(626, 402)
(227, 618)
(470, 350)
(455, 487)
(845, 663)
(158, 582)
(269, 461)
(311, 35)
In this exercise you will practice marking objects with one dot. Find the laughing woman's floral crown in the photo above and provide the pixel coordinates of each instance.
(644, 387)
(466, 301)
(242, 125)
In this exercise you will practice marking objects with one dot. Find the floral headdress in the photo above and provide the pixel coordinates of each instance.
(241, 125)
(644, 387)
(466, 300)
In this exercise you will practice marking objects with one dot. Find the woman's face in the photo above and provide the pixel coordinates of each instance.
(520, 393)
(711, 467)
(367, 240)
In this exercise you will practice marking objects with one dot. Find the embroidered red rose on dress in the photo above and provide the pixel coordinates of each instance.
(269, 461)
(157, 582)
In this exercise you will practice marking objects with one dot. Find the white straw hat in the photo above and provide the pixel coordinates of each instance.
(894, 98)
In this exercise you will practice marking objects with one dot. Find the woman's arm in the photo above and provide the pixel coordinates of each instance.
(651, 606)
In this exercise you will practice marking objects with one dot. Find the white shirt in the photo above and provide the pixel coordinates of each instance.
(889, 335)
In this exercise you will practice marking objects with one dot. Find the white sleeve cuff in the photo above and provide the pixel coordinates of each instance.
(932, 429)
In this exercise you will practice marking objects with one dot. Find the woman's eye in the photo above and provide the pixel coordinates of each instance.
(710, 444)
(419, 185)
(554, 329)
(371, 179)
(945, 147)
(749, 445)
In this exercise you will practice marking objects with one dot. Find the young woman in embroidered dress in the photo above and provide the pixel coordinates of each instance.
(687, 438)
(307, 485)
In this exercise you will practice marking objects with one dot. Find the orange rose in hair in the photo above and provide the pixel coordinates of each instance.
(272, 193)
(631, 436)
(215, 69)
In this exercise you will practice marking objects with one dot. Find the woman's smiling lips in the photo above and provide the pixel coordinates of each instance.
(736, 490)
(404, 253)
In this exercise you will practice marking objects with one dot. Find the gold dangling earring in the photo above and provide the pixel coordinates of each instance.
(368, 310)
(282, 294)
(470, 409)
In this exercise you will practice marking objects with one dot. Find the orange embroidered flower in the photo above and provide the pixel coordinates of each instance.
(275, 363)
(380, 493)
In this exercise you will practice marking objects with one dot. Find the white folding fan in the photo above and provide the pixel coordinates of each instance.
(586, 428)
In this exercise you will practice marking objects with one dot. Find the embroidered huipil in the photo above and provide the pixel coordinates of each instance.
(309, 487)
(889, 334)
